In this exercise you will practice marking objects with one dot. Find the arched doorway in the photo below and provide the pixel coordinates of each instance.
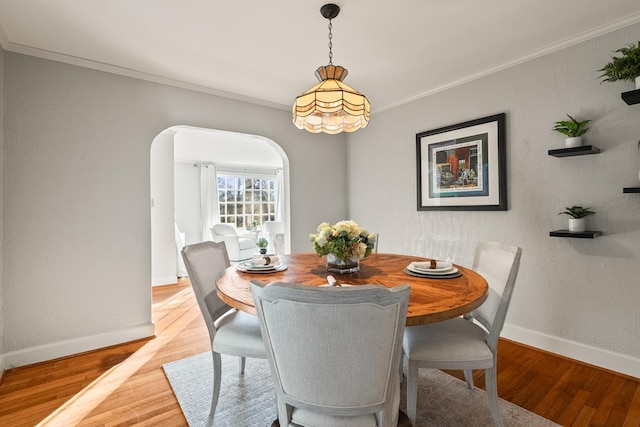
(176, 155)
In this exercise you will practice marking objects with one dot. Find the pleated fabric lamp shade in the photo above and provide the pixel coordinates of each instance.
(331, 106)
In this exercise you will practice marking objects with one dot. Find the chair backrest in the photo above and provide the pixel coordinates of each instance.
(278, 244)
(204, 262)
(498, 263)
(224, 230)
(333, 350)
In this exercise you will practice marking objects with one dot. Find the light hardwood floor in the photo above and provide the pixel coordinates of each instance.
(125, 385)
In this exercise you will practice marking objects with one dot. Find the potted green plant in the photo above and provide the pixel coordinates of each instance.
(577, 221)
(262, 243)
(573, 129)
(625, 67)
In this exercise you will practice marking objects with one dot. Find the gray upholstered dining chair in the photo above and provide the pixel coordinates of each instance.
(231, 332)
(461, 343)
(333, 352)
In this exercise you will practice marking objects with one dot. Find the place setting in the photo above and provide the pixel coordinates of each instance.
(264, 264)
(432, 269)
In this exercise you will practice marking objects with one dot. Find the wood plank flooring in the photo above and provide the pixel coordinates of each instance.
(125, 384)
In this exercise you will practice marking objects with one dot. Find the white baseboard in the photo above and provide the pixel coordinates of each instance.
(59, 349)
(166, 280)
(606, 359)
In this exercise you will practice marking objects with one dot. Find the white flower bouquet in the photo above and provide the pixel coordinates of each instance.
(344, 240)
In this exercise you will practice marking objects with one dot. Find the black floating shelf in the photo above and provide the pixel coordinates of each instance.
(574, 151)
(631, 190)
(578, 235)
(632, 97)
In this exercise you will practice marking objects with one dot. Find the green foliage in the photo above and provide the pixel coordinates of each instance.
(577, 212)
(262, 243)
(572, 128)
(625, 67)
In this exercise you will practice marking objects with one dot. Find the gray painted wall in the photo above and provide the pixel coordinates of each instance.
(2, 296)
(77, 258)
(573, 296)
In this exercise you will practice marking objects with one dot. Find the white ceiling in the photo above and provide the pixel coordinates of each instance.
(267, 51)
(193, 145)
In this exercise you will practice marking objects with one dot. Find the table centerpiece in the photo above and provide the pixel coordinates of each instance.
(344, 244)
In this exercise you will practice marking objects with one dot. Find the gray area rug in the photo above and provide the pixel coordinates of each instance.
(249, 400)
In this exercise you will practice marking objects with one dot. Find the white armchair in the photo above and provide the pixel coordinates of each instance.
(238, 248)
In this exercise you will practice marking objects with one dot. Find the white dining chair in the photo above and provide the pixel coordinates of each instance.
(462, 343)
(270, 229)
(278, 244)
(333, 352)
(232, 332)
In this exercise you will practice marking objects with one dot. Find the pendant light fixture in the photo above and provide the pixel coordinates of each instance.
(331, 106)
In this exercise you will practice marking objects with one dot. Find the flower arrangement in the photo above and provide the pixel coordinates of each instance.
(345, 240)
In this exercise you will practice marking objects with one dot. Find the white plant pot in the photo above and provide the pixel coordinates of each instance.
(573, 142)
(577, 225)
(638, 82)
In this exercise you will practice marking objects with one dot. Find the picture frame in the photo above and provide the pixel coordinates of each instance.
(463, 166)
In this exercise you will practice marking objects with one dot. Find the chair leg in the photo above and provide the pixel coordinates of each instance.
(468, 376)
(412, 391)
(217, 372)
(242, 362)
(491, 383)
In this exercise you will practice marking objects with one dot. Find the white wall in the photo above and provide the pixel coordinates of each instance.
(187, 196)
(76, 244)
(575, 297)
(163, 242)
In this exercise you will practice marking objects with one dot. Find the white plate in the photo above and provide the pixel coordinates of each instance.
(274, 268)
(450, 270)
(341, 286)
(432, 276)
(248, 265)
(440, 266)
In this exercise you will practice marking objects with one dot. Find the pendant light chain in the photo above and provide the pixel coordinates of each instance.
(330, 44)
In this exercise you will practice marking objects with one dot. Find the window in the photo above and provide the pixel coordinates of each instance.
(244, 199)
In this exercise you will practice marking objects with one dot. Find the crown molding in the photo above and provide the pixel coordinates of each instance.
(127, 72)
(563, 44)
(100, 66)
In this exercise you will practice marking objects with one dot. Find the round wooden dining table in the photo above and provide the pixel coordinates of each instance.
(430, 300)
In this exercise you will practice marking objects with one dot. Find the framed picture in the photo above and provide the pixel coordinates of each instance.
(463, 166)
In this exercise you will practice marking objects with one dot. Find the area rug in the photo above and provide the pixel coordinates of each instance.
(249, 400)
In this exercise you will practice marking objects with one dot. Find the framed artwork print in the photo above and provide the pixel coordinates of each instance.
(463, 166)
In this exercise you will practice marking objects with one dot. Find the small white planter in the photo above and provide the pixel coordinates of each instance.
(573, 142)
(638, 82)
(577, 225)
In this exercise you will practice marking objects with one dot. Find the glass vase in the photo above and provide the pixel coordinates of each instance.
(342, 266)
